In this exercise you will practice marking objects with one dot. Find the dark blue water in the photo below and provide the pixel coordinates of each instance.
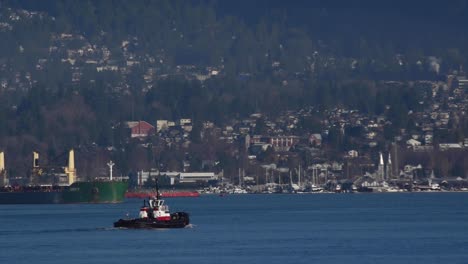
(319, 228)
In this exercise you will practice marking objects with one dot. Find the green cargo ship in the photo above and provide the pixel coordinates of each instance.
(78, 192)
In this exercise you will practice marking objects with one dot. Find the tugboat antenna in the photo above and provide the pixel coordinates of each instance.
(158, 196)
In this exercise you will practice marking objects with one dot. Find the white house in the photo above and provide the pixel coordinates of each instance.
(413, 143)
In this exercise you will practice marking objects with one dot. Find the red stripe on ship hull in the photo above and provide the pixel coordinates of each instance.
(143, 195)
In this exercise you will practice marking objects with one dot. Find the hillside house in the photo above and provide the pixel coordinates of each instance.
(315, 139)
(140, 129)
(283, 143)
(413, 143)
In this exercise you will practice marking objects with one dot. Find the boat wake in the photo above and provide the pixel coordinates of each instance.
(155, 229)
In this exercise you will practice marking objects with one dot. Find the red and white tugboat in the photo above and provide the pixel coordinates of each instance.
(155, 215)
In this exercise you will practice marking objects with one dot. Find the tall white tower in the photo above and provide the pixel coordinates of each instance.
(380, 171)
(389, 171)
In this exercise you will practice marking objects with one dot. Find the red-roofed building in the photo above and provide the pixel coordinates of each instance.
(140, 128)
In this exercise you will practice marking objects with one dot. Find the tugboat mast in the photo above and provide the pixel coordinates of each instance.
(158, 195)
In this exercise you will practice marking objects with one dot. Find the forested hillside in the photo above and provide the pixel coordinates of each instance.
(72, 72)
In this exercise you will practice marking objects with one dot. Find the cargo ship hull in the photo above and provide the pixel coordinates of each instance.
(78, 192)
(31, 198)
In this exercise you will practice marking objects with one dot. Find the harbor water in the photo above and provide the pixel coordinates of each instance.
(308, 228)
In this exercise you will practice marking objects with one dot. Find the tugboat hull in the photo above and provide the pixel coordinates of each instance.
(178, 220)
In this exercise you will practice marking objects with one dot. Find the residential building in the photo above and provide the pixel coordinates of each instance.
(140, 128)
